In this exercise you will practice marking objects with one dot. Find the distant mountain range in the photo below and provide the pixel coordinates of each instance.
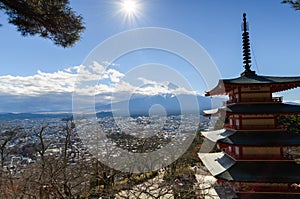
(292, 103)
(15, 116)
(157, 104)
(136, 105)
(167, 104)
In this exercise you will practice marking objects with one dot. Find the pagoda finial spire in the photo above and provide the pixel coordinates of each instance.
(246, 48)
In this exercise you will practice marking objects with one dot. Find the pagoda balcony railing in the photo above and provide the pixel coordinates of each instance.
(255, 127)
(265, 126)
(277, 99)
(258, 99)
(265, 157)
(273, 189)
(262, 157)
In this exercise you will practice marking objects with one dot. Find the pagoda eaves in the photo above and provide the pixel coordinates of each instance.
(275, 83)
(256, 138)
(262, 171)
(262, 108)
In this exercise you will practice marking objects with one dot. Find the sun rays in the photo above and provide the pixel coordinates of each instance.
(130, 10)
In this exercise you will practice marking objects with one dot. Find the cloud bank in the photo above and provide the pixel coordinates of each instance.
(46, 91)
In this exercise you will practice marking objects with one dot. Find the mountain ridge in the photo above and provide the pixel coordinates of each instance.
(169, 104)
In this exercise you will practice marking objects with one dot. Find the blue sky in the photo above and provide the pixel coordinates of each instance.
(216, 25)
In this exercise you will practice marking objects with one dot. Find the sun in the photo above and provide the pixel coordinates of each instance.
(130, 10)
(129, 6)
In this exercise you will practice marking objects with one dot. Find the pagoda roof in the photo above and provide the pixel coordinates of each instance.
(262, 138)
(216, 135)
(262, 108)
(262, 171)
(216, 163)
(259, 79)
(276, 83)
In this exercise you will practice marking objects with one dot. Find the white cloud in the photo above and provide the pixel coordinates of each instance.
(106, 63)
(114, 75)
(46, 91)
(49, 86)
(62, 81)
(146, 81)
(40, 83)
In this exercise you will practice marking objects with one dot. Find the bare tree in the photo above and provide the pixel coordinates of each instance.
(6, 181)
(5, 137)
(62, 175)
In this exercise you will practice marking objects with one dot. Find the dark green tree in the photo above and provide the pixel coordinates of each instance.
(51, 19)
(291, 122)
(294, 3)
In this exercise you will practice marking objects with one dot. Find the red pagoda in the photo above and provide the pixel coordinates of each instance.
(255, 150)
